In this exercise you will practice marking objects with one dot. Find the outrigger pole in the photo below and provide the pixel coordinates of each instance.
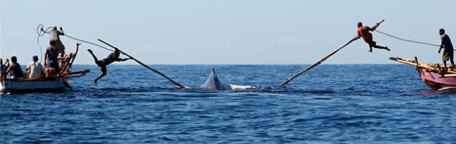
(317, 63)
(146, 66)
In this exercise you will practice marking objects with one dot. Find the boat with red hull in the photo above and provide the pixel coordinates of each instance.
(436, 76)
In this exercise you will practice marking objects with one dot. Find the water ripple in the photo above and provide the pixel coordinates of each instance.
(360, 105)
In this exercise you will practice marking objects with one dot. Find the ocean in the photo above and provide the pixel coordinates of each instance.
(328, 104)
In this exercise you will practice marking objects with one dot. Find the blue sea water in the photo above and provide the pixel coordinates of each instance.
(331, 103)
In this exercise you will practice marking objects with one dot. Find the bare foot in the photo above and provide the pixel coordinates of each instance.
(387, 49)
(95, 82)
(370, 51)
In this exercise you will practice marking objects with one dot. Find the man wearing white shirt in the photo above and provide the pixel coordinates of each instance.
(35, 69)
(55, 36)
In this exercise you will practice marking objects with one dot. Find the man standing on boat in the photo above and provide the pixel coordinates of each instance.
(51, 56)
(447, 48)
(55, 35)
(364, 32)
(104, 62)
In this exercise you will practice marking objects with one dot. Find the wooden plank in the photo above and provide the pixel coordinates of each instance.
(432, 67)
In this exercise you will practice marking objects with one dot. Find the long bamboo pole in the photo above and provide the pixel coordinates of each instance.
(326, 57)
(317, 63)
(146, 66)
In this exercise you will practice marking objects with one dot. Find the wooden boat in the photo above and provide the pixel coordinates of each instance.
(51, 85)
(55, 83)
(436, 76)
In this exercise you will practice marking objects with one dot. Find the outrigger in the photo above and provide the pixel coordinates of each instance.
(51, 84)
(435, 76)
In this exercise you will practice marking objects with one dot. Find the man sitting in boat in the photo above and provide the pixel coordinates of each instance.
(34, 69)
(55, 36)
(448, 48)
(364, 32)
(15, 69)
(104, 62)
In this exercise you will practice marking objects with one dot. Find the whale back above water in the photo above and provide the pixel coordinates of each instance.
(213, 82)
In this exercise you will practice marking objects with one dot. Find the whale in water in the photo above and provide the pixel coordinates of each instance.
(213, 82)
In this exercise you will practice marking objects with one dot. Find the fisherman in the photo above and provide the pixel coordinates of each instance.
(55, 35)
(104, 62)
(15, 69)
(447, 48)
(3, 68)
(363, 31)
(35, 69)
(51, 56)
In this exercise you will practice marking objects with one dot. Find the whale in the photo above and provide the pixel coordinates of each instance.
(214, 82)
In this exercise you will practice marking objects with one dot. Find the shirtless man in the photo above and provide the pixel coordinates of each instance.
(15, 69)
(51, 56)
(364, 32)
(104, 62)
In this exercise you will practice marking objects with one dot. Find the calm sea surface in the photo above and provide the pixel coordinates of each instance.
(331, 103)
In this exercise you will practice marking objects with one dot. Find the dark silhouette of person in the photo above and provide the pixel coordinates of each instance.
(104, 62)
(447, 48)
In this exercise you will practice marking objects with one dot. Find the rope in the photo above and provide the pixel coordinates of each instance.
(40, 33)
(88, 42)
(407, 40)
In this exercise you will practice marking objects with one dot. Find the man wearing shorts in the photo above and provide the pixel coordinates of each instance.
(104, 62)
(447, 46)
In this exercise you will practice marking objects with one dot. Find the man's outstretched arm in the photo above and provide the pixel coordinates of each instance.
(357, 37)
(44, 31)
(378, 24)
(121, 59)
(61, 31)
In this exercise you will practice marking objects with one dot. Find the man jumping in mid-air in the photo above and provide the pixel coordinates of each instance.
(364, 32)
(104, 62)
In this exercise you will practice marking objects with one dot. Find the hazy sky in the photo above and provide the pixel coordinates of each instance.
(229, 31)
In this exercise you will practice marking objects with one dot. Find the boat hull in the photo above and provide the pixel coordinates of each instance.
(26, 86)
(435, 80)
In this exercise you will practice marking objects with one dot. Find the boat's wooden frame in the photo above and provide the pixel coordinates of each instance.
(52, 84)
(436, 76)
